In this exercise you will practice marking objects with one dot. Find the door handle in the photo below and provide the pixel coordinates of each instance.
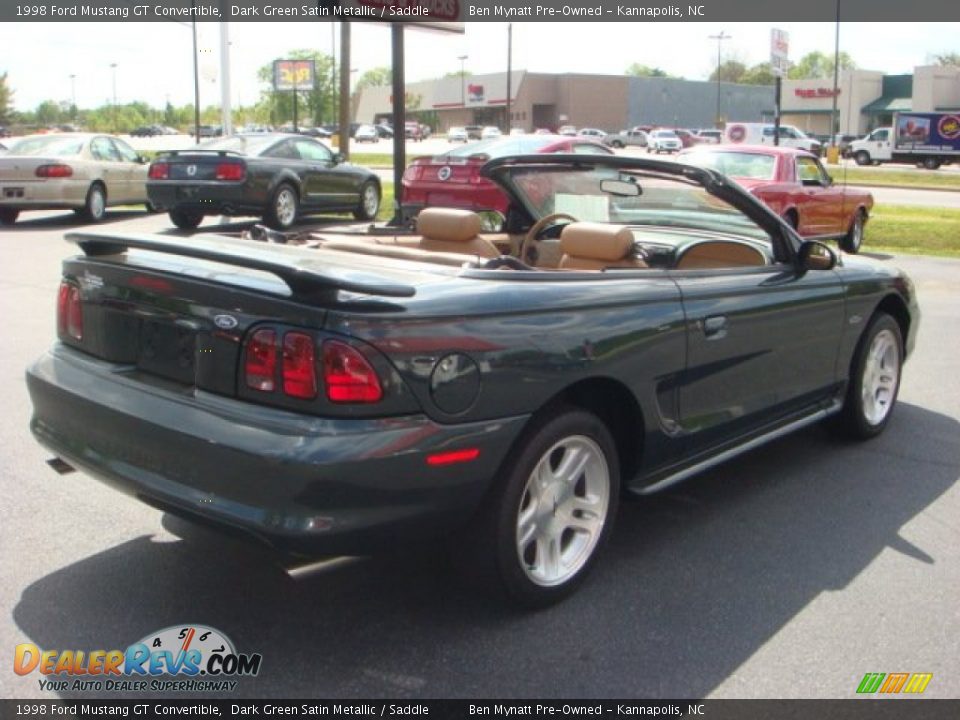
(715, 327)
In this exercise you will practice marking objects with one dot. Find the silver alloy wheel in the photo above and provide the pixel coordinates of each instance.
(97, 204)
(856, 233)
(881, 372)
(562, 511)
(285, 206)
(371, 201)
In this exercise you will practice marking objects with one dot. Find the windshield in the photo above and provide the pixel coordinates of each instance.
(735, 164)
(243, 144)
(52, 145)
(495, 148)
(661, 200)
(664, 134)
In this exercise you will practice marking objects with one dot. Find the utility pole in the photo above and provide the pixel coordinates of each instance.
(834, 119)
(113, 66)
(463, 79)
(509, 73)
(719, 38)
(196, 80)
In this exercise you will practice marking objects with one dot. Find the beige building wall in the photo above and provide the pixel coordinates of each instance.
(936, 88)
(812, 114)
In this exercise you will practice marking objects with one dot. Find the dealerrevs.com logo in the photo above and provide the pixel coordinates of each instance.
(180, 658)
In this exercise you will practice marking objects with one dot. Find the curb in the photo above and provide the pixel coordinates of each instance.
(903, 187)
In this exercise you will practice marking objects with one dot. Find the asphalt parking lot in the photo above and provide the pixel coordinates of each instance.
(789, 572)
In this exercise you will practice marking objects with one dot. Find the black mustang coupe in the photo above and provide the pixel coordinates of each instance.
(632, 323)
(273, 175)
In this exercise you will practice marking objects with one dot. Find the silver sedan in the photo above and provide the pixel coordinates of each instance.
(84, 172)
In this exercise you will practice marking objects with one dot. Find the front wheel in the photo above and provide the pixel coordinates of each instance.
(617, 144)
(862, 157)
(853, 240)
(544, 524)
(874, 379)
(8, 216)
(186, 219)
(369, 202)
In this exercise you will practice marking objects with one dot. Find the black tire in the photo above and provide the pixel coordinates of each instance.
(496, 559)
(865, 414)
(186, 219)
(368, 209)
(862, 157)
(95, 206)
(931, 163)
(8, 216)
(617, 144)
(151, 208)
(853, 240)
(284, 208)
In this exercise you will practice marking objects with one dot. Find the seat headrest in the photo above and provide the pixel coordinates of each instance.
(448, 224)
(597, 241)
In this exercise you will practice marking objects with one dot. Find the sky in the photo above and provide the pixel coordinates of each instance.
(154, 60)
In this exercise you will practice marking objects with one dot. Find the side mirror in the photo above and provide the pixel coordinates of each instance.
(814, 255)
(830, 181)
(142, 159)
(337, 158)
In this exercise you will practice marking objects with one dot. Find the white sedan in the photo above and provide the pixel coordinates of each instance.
(490, 133)
(83, 172)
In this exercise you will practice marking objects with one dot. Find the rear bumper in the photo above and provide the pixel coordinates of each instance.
(61, 193)
(207, 198)
(302, 484)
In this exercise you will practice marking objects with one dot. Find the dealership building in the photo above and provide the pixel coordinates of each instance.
(865, 99)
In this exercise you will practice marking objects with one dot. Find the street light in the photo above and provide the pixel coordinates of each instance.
(463, 80)
(113, 66)
(719, 38)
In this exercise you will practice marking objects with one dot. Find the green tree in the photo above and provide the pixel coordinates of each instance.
(731, 71)
(819, 65)
(944, 58)
(375, 77)
(638, 70)
(759, 74)
(315, 104)
(459, 74)
(6, 101)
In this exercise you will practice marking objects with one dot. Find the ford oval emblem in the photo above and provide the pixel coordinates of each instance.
(444, 173)
(225, 322)
(191, 170)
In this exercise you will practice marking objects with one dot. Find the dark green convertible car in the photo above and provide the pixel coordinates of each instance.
(632, 323)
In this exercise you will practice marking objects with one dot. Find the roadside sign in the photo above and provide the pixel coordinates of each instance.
(293, 74)
(779, 51)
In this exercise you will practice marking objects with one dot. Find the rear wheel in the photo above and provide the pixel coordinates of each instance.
(862, 157)
(369, 202)
(8, 216)
(186, 219)
(853, 240)
(931, 163)
(151, 208)
(874, 379)
(617, 144)
(544, 524)
(282, 213)
(95, 206)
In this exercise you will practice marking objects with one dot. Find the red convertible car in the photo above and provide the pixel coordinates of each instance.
(453, 179)
(796, 186)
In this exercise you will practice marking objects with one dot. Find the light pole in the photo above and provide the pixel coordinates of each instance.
(834, 118)
(73, 90)
(114, 68)
(719, 38)
(463, 80)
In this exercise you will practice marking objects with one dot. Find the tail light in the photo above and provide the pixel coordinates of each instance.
(261, 363)
(348, 376)
(299, 368)
(69, 312)
(231, 171)
(57, 170)
(413, 173)
(159, 171)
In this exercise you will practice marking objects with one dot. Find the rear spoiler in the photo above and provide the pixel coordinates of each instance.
(305, 282)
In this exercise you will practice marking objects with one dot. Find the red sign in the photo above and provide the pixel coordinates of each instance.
(816, 92)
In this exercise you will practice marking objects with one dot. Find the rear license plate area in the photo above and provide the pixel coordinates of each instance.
(167, 350)
(187, 193)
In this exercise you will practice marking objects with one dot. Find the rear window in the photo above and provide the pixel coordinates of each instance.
(243, 144)
(54, 146)
(498, 147)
